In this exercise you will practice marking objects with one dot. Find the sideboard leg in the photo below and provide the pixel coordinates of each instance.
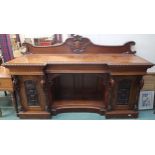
(14, 101)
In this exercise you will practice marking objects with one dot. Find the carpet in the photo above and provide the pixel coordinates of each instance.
(8, 113)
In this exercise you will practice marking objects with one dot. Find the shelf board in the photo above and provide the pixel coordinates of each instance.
(78, 105)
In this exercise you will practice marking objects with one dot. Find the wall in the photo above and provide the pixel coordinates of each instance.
(145, 43)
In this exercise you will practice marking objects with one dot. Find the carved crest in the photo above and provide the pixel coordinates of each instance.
(78, 44)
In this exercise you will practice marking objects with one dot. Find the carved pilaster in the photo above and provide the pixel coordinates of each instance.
(140, 84)
(15, 95)
(46, 85)
(111, 86)
(108, 84)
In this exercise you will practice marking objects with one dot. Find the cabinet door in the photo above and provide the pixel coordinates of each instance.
(125, 92)
(32, 95)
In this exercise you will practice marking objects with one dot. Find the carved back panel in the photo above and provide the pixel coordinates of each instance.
(79, 45)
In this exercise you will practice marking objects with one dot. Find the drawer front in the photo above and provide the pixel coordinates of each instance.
(6, 84)
(77, 68)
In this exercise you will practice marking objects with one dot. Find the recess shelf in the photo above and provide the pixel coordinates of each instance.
(78, 105)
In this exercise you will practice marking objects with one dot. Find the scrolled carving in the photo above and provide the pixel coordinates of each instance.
(78, 44)
(28, 47)
(129, 46)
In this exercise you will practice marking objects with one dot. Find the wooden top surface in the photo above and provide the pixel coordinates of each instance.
(4, 72)
(79, 50)
(109, 59)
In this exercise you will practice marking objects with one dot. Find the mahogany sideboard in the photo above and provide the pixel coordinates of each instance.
(78, 76)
